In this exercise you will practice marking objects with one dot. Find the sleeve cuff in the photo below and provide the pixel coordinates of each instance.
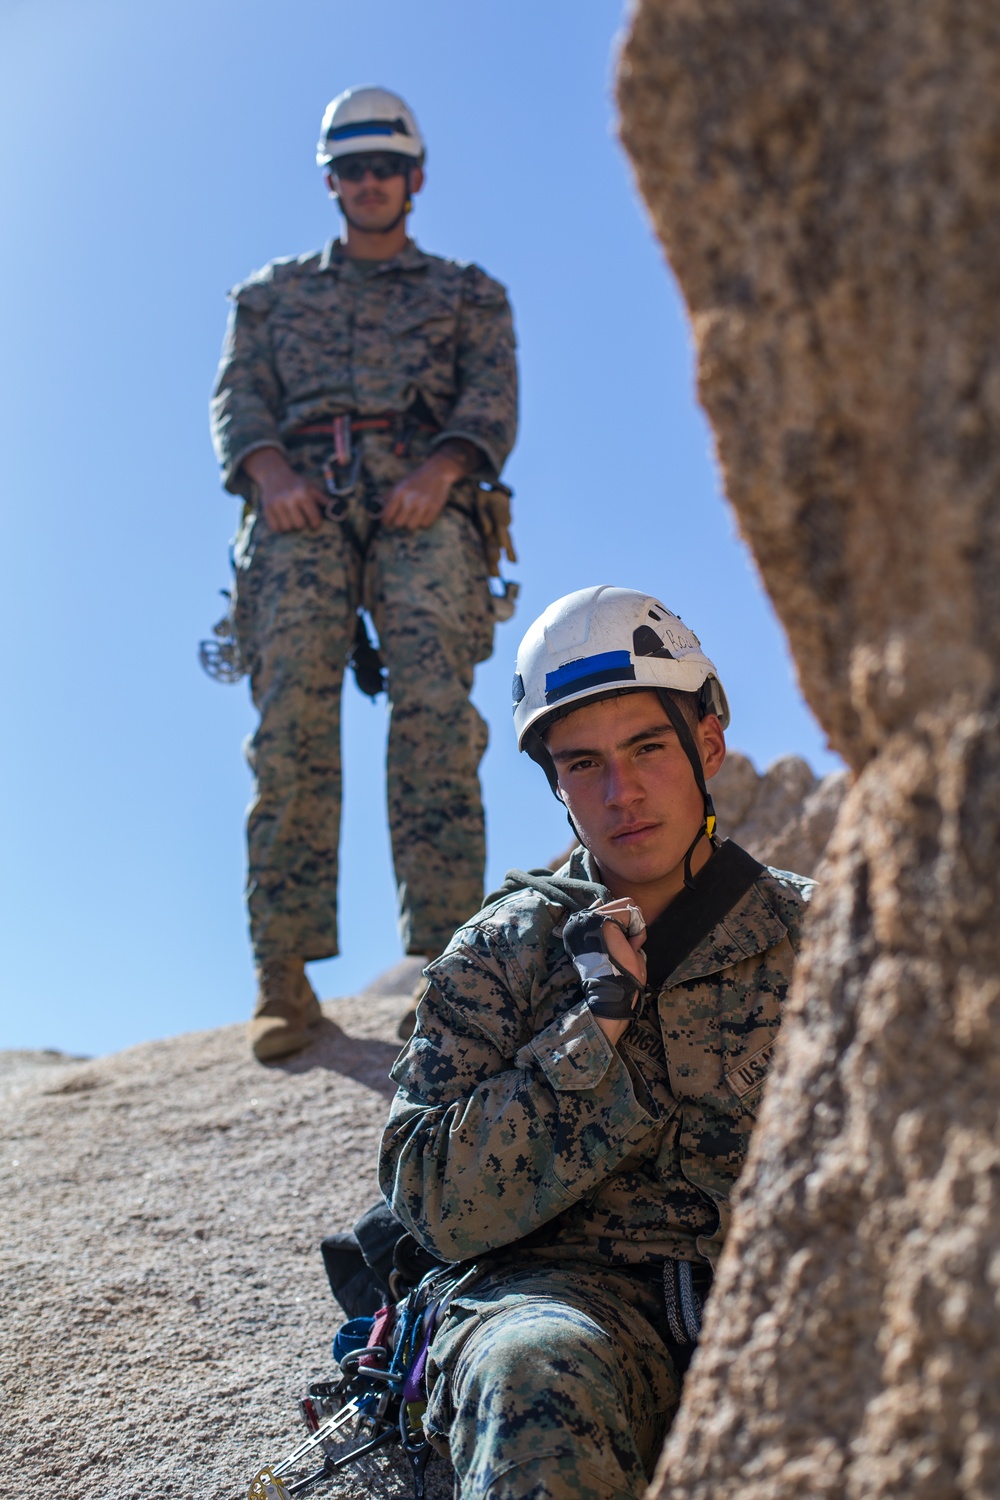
(490, 467)
(231, 474)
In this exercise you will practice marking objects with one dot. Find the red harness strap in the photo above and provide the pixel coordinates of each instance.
(341, 429)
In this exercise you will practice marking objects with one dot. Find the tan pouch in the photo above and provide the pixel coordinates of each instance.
(493, 507)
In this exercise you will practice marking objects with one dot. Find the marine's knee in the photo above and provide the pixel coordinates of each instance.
(536, 1349)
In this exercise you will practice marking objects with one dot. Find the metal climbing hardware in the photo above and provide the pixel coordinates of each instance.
(267, 1486)
(366, 662)
(343, 464)
(339, 488)
(378, 1399)
(505, 603)
(221, 658)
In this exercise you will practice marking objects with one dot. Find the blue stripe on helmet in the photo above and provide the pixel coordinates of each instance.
(367, 127)
(588, 671)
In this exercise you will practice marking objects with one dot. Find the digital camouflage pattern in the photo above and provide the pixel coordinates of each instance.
(515, 1115)
(570, 1168)
(324, 334)
(295, 601)
(308, 339)
(553, 1382)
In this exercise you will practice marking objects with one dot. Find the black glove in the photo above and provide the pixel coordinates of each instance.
(608, 990)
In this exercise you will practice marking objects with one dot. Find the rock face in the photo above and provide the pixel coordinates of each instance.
(825, 178)
(785, 816)
(163, 1302)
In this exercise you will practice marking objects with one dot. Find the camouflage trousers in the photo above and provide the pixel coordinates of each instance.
(297, 594)
(553, 1383)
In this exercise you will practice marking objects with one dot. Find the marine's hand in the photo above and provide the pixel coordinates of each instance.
(603, 942)
(289, 502)
(626, 953)
(416, 501)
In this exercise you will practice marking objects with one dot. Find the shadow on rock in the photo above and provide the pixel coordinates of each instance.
(364, 1059)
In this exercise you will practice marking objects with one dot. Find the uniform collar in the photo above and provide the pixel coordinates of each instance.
(750, 927)
(410, 258)
(582, 865)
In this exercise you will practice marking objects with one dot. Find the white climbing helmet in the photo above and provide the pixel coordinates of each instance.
(368, 119)
(597, 640)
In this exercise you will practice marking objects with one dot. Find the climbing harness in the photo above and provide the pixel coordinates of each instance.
(342, 472)
(379, 1397)
(342, 475)
(342, 467)
(221, 658)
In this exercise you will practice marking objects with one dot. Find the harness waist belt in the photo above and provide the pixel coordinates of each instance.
(388, 423)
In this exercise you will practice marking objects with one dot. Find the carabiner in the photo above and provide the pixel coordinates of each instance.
(329, 472)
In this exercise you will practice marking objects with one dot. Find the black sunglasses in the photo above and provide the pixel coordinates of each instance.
(381, 164)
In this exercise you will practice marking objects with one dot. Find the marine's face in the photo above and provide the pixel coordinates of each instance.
(631, 792)
(370, 199)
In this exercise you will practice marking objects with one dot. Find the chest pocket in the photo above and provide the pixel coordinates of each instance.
(421, 326)
(720, 1029)
(310, 343)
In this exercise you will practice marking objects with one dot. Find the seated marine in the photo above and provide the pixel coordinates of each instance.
(576, 1103)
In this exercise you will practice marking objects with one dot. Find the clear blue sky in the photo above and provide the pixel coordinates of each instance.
(152, 154)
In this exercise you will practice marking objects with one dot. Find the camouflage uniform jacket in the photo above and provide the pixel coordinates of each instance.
(322, 335)
(516, 1122)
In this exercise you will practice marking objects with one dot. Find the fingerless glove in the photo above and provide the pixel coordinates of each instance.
(608, 990)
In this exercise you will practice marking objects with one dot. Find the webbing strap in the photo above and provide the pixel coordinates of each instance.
(561, 890)
(360, 424)
(720, 883)
(686, 738)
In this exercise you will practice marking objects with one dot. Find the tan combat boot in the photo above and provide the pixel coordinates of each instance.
(286, 1012)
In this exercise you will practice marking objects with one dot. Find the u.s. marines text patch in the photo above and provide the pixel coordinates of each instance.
(746, 1081)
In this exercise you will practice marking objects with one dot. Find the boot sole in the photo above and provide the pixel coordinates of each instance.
(282, 1041)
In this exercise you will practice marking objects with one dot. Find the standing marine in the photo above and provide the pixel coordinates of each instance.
(365, 404)
(575, 1105)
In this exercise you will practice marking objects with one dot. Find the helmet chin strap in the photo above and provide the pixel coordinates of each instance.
(535, 747)
(683, 731)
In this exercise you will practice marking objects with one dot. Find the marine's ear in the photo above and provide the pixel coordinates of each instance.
(712, 744)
